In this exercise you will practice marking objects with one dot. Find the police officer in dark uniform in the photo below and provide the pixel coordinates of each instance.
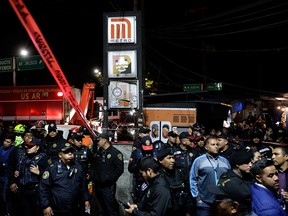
(167, 163)
(157, 197)
(106, 169)
(83, 154)
(143, 132)
(29, 169)
(146, 149)
(171, 142)
(184, 159)
(52, 141)
(62, 186)
(13, 171)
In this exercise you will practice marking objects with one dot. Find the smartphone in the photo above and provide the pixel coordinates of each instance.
(125, 205)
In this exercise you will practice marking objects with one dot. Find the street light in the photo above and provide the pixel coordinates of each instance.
(23, 52)
(99, 76)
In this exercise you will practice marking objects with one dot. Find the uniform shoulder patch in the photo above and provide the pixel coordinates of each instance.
(147, 142)
(120, 157)
(45, 175)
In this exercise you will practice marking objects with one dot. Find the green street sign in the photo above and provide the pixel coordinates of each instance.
(194, 87)
(29, 63)
(6, 65)
(214, 87)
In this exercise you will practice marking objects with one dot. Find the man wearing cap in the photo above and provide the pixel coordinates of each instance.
(228, 202)
(171, 142)
(239, 179)
(39, 129)
(206, 170)
(15, 156)
(106, 169)
(83, 154)
(52, 141)
(145, 149)
(27, 177)
(225, 147)
(167, 163)
(199, 149)
(157, 197)
(143, 132)
(184, 157)
(62, 186)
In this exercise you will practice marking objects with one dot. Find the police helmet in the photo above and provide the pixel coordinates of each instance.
(20, 129)
(196, 127)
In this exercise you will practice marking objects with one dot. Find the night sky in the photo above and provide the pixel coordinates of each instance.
(241, 43)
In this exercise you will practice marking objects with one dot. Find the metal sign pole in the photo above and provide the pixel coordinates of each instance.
(14, 70)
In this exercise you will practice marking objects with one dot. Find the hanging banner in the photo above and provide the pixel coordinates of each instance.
(48, 57)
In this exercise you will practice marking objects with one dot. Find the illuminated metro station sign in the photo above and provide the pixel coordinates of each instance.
(122, 29)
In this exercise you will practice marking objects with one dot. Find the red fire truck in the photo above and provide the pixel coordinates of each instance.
(31, 103)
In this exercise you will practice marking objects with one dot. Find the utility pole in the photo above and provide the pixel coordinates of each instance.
(14, 70)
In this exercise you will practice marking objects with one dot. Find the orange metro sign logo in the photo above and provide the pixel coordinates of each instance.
(122, 29)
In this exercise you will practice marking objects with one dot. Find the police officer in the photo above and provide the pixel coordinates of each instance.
(52, 141)
(157, 197)
(143, 132)
(171, 142)
(146, 149)
(83, 154)
(106, 169)
(13, 172)
(29, 168)
(167, 163)
(62, 186)
(184, 159)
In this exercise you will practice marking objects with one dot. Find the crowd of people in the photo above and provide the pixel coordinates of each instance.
(240, 170)
(231, 171)
(43, 173)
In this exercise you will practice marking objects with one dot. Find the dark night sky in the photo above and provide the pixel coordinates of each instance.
(241, 43)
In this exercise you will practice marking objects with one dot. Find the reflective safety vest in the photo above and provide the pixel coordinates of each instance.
(18, 140)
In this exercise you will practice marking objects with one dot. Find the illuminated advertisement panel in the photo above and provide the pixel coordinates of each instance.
(122, 64)
(123, 94)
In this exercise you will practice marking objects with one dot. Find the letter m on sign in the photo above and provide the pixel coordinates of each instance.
(122, 29)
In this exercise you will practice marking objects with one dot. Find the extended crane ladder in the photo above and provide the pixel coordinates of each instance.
(47, 55)
(86, 96)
